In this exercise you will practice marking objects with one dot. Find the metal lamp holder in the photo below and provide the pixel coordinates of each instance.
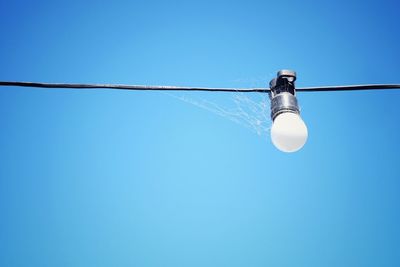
(283, 94)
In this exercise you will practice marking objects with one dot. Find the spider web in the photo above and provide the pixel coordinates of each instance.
(250, 110)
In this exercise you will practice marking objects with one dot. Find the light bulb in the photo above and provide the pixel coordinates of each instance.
(289, 132)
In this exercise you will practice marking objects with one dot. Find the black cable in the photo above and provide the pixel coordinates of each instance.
(177, 88)
(129, 87)
(357, 87)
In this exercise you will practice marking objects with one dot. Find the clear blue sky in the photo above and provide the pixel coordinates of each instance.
(111, 178)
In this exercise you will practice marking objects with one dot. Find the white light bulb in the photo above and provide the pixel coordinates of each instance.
(289, 132)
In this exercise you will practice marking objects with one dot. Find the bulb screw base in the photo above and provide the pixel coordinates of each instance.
(284, 102)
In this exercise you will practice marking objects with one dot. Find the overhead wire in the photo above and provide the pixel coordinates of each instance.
(128, 87)
(358, 87)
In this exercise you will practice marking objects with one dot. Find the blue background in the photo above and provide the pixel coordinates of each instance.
(118, 178)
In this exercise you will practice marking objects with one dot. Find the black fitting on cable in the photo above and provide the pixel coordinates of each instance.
(284, 82)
